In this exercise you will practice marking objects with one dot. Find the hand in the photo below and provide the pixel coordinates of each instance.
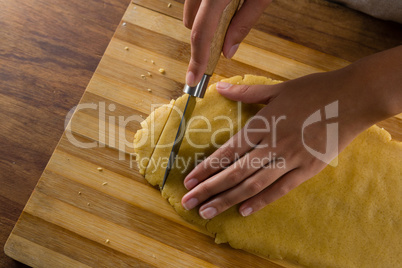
(202, 16)
(266, 165)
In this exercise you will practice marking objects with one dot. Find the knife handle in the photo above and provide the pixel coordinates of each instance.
(220, 34)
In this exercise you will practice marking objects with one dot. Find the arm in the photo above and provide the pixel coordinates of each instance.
(365, 92)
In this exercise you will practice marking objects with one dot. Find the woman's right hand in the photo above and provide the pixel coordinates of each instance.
(202, 17)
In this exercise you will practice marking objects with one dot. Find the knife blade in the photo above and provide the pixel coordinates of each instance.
(199, 90)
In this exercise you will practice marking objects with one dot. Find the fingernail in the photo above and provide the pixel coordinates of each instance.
(208, 213)
(246, 212)
(191, 183)
(223, 85)
(190, 204)
(232, 51)
(190, 79)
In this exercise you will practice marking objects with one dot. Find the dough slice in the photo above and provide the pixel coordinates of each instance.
(348, 216)
(146, 139)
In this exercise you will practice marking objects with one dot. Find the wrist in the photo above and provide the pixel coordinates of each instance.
(380, 78)
(372, 89)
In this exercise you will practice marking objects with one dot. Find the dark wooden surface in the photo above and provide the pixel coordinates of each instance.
(50, 49)
(48, 53)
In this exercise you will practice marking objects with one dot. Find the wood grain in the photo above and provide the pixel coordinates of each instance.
(50, 51)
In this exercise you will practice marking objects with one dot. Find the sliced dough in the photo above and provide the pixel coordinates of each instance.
(146, 139)
(348, 216)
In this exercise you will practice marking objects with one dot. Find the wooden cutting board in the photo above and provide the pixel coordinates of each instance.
(91, 207)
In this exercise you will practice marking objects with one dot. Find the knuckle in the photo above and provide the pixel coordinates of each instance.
(223, 202)
(234, 176)
(261, 202)
(254, 186)
(210, 168)
(283, 190)
(227, 151)
(226, 203)
(244, 89)
(196, 37)
(204, 189)
(243, 30)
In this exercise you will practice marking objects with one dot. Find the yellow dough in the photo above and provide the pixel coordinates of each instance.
(348, 216)
(146, 139)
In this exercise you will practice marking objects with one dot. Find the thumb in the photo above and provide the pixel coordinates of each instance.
(262, 94)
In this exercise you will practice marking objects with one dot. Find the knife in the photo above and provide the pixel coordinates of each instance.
(199, 90)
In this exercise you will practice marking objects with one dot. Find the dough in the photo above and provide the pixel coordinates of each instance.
(348, 216)
(146, 139)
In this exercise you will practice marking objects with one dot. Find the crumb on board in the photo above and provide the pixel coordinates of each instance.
(149, 90)
(79, 193)
(124, 23)
(162, 71)
(100, 169)
(88, 204)
(141, 116)
(169, 5)
(107, 241)
(149, 74)
(143, 76)
(126, 48)
(145, 60)
(152, 61)
(105, 183)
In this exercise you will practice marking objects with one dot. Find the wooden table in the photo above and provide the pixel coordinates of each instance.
(50, 51)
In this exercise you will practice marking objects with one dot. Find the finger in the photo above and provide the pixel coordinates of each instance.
(205, 24)
(241, 143)
(247, 189)
(278, 189)
(249, 94)
(242, 23)
(228, 178)
(190, 11)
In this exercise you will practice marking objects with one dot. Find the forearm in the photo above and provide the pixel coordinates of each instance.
(380, 79)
